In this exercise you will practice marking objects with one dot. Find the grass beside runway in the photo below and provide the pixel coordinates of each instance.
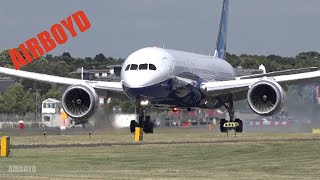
(251, 158)
(161, 135)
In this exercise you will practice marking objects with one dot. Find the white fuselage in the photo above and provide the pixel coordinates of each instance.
(171, 63)
(147, 69)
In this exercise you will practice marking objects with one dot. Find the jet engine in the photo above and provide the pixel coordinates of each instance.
(266, 97)
(80, 101)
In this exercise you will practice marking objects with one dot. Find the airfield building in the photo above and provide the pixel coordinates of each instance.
(111, 73)
(5, 82)
(51, 109)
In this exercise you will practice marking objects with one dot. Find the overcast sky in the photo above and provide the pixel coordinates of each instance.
(119, 27)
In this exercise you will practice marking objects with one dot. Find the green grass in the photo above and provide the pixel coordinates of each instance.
(160, 135)
(253, 157)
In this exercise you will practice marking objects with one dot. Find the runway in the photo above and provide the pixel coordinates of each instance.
(224, 141)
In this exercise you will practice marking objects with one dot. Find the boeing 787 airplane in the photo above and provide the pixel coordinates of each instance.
(165, 78)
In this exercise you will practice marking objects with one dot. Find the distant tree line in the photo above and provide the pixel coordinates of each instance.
(24, 90)
(274, 62)
(21, 94)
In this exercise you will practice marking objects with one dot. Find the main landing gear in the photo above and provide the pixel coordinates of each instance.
(235, 124)
(144, 121)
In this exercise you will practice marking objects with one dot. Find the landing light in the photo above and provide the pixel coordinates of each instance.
(144, 103)
(175, 109)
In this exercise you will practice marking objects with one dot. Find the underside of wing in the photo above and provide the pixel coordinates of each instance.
(99, 85)
(217, 88)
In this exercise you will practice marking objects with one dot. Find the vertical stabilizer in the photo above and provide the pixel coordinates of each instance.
(220, 51)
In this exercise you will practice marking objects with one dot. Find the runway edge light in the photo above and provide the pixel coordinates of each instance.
(5, 146)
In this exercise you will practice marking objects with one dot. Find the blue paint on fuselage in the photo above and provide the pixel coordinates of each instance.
(164, 93)
(157, 91)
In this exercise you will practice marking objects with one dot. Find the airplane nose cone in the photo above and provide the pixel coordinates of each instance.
(137, 80)
(145, 72)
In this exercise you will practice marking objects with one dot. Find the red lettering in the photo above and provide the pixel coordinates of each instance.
(69, 25)
(59, 34)
(25, 53)
(34, 48)
(46, 41)
(17, 58)
(81, 20)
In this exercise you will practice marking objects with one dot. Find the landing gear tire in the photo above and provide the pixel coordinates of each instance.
(151, 127)
(148, 127)
(230, 108)
(240, 127)
(223, 129)
(133, 125)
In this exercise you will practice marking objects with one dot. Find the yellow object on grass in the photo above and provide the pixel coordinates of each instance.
(5, 146)
(138, 134)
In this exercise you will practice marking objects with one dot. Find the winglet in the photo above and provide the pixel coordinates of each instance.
(220, 51)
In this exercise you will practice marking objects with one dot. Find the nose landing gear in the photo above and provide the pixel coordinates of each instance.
(144, 123)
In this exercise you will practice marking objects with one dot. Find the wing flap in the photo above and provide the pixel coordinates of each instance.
(225, 87)
(111, 86)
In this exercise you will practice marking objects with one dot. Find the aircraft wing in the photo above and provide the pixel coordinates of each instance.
(100, 85)
(278, 73)
(239, 85)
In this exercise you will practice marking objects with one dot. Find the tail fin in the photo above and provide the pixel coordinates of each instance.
(220, 51)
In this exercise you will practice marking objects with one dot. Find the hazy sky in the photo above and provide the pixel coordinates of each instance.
(119, 27)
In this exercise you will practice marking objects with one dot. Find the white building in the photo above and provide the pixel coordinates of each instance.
(51, 111)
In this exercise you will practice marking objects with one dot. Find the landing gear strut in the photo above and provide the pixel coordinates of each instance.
(144, 121)
(230, 108)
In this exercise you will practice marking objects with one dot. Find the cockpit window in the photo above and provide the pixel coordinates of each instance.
(152, 67)
(127, 68)
(134, 67)
(143, 66)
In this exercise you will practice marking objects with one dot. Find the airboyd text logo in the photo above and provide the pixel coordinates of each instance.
(47, 41)
(22, 169)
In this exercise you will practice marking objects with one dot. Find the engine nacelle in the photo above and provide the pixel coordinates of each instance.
(80, 101)
(266, 97)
